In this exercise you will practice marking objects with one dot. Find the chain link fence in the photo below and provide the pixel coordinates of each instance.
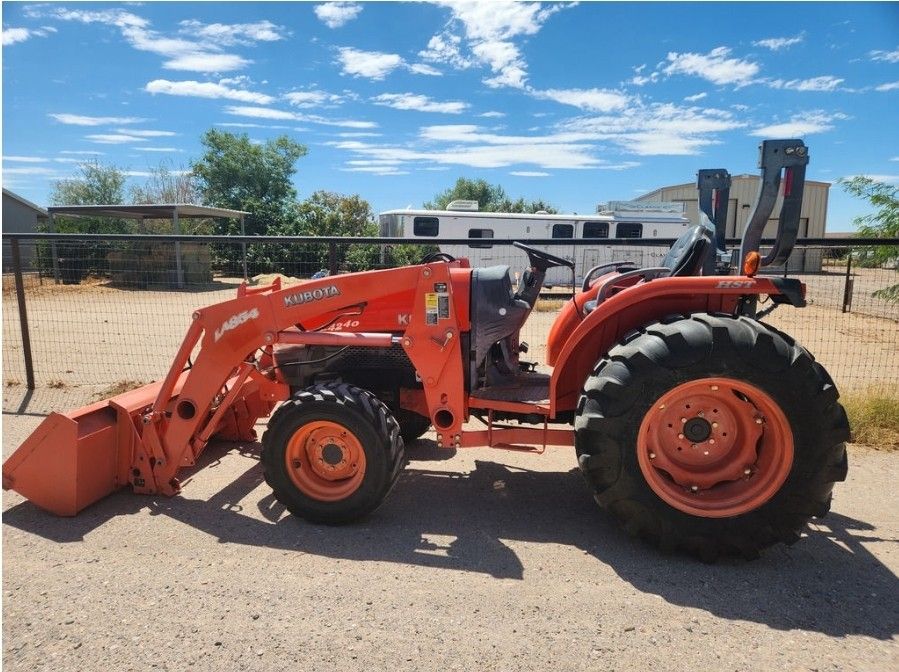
(111, 312)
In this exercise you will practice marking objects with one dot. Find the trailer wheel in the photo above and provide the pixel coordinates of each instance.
(332, 453)
(714, 434)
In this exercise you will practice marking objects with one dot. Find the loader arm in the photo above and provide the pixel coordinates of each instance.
(223, 380)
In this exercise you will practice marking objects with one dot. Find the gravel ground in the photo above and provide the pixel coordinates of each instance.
(480, 560)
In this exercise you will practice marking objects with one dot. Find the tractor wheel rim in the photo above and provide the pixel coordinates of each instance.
(325, 461)
(715, 447)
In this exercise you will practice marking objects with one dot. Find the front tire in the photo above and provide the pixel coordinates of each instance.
(332, 453)
(712, 434)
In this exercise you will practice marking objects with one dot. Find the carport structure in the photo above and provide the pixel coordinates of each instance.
(173, 211)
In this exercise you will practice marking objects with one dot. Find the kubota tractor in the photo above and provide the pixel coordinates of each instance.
(697, 425)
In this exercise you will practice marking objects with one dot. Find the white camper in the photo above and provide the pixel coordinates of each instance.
(462, 219)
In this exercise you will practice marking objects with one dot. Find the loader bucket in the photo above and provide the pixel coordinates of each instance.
(75, 459)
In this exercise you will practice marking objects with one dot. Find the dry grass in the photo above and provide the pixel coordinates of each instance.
(119, 387)
(56, 384)
(548, 305)
(874, 417)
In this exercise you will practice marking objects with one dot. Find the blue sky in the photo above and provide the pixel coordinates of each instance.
(575, 103)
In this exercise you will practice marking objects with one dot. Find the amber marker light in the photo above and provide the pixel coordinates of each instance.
(751, 263)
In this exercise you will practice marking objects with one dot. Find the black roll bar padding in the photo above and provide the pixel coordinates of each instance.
(714, 198)
(602, 269)
(774, 156)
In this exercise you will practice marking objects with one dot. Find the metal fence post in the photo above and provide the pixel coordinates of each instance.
(23, 313)
(54, 253)
(179, 272)
(243, 245)
(332, 258)
(847, 285)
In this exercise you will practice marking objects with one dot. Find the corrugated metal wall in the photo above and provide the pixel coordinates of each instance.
(743, 191)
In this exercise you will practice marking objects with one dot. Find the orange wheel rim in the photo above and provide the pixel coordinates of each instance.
(715, 447)
(325, 461)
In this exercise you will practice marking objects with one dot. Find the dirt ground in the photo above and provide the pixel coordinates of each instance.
(479, 560)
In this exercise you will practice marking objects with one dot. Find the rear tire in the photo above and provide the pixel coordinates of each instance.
(782, 404)
(332, 453)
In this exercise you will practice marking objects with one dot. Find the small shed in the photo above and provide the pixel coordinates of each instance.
(20, 216)
(190, 260)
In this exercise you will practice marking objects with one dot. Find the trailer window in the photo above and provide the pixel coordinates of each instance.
(596, 229)
(630, 230)
(480, 233)
(563, 230)
(425, 226)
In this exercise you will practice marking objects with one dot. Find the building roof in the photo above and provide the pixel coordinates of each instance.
(150, 211)
(687, 185)
(28, 204)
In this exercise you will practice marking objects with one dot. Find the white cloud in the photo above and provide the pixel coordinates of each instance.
(206, 90)
(26, 159)
(424, 69)
(269, 113)
(411, 101)
(82, 120)
(778, 43)
(715, 67)
(889, 86)
(823, 83)
(14, 35)
(800, 125)
(260, 112)
(658, 129)
(592, 100)
(529, 173)
(445, 48)
(894, 158)
(371, 64)
(146, 133)
(88, 152)
(240, 124)
(313, 98)
(31, 170)
(493, 114)
(157, 149)
(336, 14)
(113, 138)
(235, 33)
(490, 30)
(885, 56)
(200, 53)
(695, 97)
(358, 134)
(206, 62)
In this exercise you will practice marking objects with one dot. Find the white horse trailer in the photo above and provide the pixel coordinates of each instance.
(463, 220)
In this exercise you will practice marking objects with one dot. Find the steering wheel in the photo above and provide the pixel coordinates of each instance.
(436, 256)
(548, 260)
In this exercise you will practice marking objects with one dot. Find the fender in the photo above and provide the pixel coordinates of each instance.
(634, 307)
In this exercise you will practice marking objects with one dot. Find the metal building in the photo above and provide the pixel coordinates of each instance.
(813, 216)
(20, 216)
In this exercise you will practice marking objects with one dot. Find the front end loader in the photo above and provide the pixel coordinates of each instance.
(696, 424)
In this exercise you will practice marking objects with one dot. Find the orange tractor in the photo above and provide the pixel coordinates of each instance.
(697, 425)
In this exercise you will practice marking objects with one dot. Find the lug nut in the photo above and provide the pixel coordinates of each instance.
(714, 424)
(711, 440)
(680, 436)
(652, 456)
(683, 420)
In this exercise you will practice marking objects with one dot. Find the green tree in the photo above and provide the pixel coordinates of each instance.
(490, 198)
(882, 223)
(94, 184)
(237, 174)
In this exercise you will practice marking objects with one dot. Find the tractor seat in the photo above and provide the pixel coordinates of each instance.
(686, 257)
